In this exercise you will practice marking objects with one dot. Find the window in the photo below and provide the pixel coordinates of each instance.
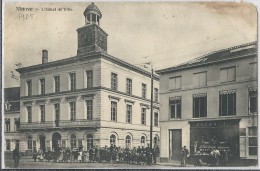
(253, 70)
(227, 74)
(114, 81)
(199, 105)
(57, 114)
(113, 140)
(7, 124)
(89, 141)
(89, 79)
(253, 145)
(129, 113)
(16, 124)
(29, 143)
(17, 143)
(8, 145)
(143, 141)
(42, 111)
(227, 103)
(156, 119)
(42, 86)
(29, 87)
(113, 111)
(57, 84)
(128, 86)
(156, 94)
(72, 111)
(73, 141)
(175, 107)
(252, 101)
(144, 91)
(143, 116)
(128, 141)
(72, 81)
(89, 104)
(200, 79)
(29, 114)
(175, 83)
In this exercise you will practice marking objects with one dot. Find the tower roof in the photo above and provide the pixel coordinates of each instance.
(92, 8)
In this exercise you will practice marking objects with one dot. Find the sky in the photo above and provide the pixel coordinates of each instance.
(166, 33)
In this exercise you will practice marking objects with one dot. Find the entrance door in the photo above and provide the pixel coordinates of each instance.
(42, 142)
(56, 137)
(175, 144)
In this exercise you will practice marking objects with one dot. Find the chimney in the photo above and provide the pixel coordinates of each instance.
(44, 56)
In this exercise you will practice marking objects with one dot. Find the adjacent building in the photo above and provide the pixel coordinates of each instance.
(92, 99)
(11, 118)
(209, 102)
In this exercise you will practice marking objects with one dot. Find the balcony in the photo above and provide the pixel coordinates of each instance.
(80, 123)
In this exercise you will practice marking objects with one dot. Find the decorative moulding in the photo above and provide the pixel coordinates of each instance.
(71, 98)
(55, 100)
(41, 101)
(129, 101)
(88, 96)
(145, 105)
(27, 103)
(113, 98)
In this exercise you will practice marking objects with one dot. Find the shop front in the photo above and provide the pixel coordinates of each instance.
(222, 135)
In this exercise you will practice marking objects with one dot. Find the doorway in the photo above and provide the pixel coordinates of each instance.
(175, 144)
(56, 138)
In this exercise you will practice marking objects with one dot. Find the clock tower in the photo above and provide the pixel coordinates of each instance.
(91, 38)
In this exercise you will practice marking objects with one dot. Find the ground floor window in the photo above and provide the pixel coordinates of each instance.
(113, 140)
(73, 141)
(17, 143)
(143, 141)
(252, 133)
(128, 141)
(29, 143)
(8, 145)
(89, 141)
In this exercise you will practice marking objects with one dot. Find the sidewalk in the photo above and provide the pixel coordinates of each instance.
(173, 164)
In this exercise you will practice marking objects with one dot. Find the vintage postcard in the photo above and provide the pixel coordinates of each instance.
(125, 85)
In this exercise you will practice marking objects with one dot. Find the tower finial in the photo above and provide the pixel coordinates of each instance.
(92, 14)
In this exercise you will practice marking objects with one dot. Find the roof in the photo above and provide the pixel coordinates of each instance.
(92, 8)
(12, 99)
(234, 52)
(87, 56)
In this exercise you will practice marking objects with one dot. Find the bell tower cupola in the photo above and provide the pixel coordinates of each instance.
(91, 38)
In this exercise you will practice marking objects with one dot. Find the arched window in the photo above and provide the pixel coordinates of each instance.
(128, 141)
(113, 140)
(155, 141)
(143, 141)
(89, 141)
(29, 142)
(73, 141)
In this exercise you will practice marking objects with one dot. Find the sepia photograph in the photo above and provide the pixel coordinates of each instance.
(129, 85)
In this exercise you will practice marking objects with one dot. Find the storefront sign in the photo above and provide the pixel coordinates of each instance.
(213, 124)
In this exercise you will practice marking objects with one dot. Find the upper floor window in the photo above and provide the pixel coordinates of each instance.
(175, 107)
(114, 81)
(228, 74)
(7, 124)
(128, 113)
(143, 116)
(227, 103)
(16, 124)
(72, 111)
(175, 83)
(253, 70)
(89, 79)
(42, 111)
(156, 119)
(144, 91)
(128, 86)
(199, 105)
(72, 81)
(29, 114)
(56, 84)
(156, 94)
(113, 111)
(42, 86)
(200, 79)
(252, 101)
(89, 104)
(29, 87)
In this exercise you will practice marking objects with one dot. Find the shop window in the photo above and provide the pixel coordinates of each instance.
(113, 111)
(200, 79)
(143, 141)
(72, 111)
(175, 83)
(89, 75)
(7, 125)
(113, 140)
(114, 81)
(175, 107)
(128, 86)
(89, 141)
(252, 101)
(72, 81)
(29, 114)
(199, 105)
(42, 111)
(143, 116)
(89, 104)
(56, 84)
(29, 143)
(128, 141)
(227, 103)
(128, 113)
(156, 119)
(253, 70)
(227, 74)
(156, 94)
(42, 86)
(29, 87)
(144, 91)
(73, 141)
(8, 145)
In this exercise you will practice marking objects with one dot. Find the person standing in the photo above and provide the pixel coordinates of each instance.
(16, 157)
(184, 155)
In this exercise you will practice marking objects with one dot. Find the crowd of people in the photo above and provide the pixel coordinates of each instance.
(96, 154)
